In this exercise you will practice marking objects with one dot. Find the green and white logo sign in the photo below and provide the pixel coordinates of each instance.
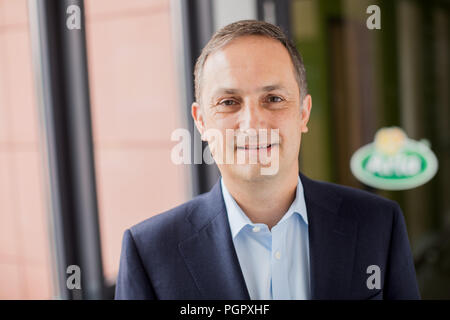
(394, 162)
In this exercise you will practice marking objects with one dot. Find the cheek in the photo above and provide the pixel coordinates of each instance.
(290, 133)
(221, 121)
(287, 120)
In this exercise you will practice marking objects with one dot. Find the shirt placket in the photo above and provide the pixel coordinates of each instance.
(279, 263)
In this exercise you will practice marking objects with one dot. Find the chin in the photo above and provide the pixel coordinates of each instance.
(250, 173)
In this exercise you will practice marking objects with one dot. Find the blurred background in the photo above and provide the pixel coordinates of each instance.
(86, 117)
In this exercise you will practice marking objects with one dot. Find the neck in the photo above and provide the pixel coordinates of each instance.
(264, 201)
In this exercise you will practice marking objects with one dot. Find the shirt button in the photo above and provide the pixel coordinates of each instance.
(278, 255)
(256, 229)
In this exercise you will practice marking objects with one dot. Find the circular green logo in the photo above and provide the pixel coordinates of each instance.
(394, 162)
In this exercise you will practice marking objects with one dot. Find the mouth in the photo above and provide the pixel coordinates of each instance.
(257, 147)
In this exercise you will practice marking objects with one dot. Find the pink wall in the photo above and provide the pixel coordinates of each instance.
(134, 110)
(24, 254)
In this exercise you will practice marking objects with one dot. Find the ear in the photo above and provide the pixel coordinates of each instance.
(306, 112)
(197, 115)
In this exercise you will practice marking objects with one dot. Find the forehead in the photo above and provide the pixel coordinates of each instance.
(247, 62)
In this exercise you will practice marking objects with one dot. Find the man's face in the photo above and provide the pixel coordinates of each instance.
(246, 86)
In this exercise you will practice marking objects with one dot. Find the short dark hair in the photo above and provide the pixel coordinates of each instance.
(247, 28)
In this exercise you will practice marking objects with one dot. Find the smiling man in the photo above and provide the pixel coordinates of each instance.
(256, 235)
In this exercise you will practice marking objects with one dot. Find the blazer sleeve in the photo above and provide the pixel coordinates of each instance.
(132, 281)
(401, 282)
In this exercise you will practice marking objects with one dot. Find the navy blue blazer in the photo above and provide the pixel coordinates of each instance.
(188, 252)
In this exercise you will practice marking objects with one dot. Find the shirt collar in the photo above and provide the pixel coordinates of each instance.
(238, 219)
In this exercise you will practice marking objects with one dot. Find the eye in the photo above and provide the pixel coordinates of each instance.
(227, 106)
(275, 99)
(228, 102)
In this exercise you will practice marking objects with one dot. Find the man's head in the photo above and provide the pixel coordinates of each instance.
(246, 28)
(250, 77)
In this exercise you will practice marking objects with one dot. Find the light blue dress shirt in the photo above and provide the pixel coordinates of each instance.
(275, 263)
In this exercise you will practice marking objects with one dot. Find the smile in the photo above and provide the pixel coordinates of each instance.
(259, 147)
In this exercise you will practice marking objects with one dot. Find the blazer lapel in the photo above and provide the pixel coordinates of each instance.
(332, 241)
(212, 261)
(209, 253)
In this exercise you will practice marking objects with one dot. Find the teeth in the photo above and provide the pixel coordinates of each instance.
(256, 147)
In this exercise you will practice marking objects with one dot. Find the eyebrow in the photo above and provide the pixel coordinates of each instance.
(267, 88)
(271, 87)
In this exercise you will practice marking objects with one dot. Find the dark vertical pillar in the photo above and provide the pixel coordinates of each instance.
(277, 12)
(60, 64)
(198, 28)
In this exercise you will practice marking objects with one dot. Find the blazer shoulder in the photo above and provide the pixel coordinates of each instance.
(351, 194)
(171, 225)
(364, 206)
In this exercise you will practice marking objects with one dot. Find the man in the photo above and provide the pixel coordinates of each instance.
(265, 236)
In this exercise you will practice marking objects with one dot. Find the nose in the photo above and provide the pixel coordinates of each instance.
(252, 116)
